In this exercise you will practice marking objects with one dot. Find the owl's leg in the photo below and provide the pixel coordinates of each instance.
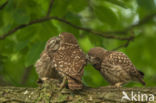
(63, 83)
(41, 80)
(118, 84)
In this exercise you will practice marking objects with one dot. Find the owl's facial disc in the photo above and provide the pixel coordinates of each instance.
(93, 60)
(52, 42)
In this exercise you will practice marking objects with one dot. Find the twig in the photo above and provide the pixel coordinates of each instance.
(125, 45)
(26, 74)
(141, 22)
(122, 46)
(3, 5)
(50, 7)
(10, 32)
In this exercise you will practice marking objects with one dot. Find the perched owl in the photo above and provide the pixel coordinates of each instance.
(115, 66)
(44, 66)
(62, 58)
(69, 61)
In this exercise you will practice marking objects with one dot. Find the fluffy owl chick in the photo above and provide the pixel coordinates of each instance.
(115, 66)
(44, 68)
(69, 60)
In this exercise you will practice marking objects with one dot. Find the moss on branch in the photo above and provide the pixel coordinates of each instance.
(50, 93)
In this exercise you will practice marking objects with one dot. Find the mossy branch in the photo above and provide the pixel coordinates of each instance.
(50, 93)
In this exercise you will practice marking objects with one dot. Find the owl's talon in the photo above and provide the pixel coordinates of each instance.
(118, 85)
(111, 86)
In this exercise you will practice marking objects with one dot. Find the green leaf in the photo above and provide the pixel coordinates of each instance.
(77, 5)
(118, 2)
(20, 16)
(147, 4)
(92, 77)
(74, 19)
(21, 45)
(85, 44)
(34, 53)
(60, 8)
(105, 14)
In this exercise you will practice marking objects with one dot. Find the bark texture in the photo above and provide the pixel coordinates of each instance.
(50, 93)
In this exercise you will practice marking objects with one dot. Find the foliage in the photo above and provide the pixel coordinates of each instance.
(21, 49)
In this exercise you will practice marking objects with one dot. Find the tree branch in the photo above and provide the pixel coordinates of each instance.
(50, 93)
(10, 32)
(3, 5)
(66, 22)
(139, 23)
(50, 7)
(103, 34)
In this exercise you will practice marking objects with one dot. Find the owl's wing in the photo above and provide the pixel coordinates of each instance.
(79, 62)
(122, 60)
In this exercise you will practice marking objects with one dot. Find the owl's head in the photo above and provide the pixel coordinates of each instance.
(67, 38)
(95, 55)
(52, 43)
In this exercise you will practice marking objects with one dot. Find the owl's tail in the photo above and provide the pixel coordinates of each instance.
(142, 81)
(74, 85)
(141, 77)
(141, 73)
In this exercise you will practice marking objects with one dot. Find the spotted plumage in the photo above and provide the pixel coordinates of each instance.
(69, 60)
(115, 66)
(62, 58)
(44, 67)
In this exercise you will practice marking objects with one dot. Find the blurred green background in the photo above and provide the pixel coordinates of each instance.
(20, 50)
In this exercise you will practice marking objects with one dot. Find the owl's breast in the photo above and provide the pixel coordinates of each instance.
(69, 61)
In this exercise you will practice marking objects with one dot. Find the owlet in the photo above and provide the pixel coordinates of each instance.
(44, 66)
(115, 66)
(69, 61)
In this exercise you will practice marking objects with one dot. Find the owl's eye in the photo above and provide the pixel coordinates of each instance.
(51, 41)
(97, 58)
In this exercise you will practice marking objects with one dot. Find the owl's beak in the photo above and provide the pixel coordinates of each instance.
(87, 58)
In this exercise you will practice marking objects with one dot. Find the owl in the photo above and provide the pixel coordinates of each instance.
(44, 67)
(114, 66)
(62, 58)
(69, 60)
